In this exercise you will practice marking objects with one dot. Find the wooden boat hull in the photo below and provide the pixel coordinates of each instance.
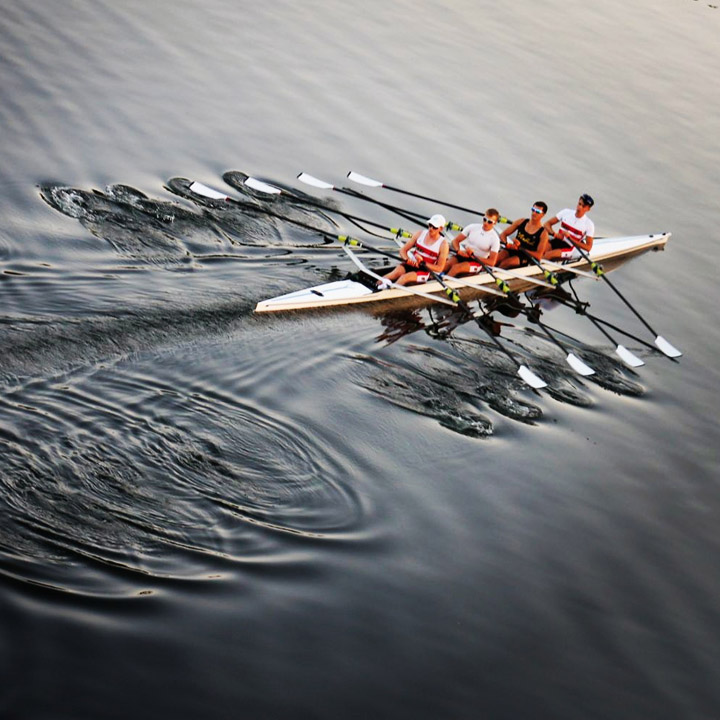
(610, 252)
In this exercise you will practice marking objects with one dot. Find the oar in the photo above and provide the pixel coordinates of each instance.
(262, 186)
(209, 192)
(570, 358)
(363, 180)
(660, 342)
(407, 214)
(620, 350)
(413, 290)
(575, 362)
(524, 372)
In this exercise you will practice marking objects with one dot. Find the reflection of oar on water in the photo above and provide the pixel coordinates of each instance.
(666, 347)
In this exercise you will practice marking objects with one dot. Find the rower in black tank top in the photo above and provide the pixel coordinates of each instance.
(519, 239)
(529, 241)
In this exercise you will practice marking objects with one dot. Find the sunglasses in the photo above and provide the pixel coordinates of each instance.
(433, 227)
(489, 222)
(538, 211)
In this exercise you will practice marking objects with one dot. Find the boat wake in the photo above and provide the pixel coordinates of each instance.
(168, 235)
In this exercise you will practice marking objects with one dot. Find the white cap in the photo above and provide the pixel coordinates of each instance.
(437, 221)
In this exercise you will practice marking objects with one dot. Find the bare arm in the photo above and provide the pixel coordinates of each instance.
(542, 247)
(439, 265)
(457, 240)
(408, 245)
(491, 259)
(548, 224)
(508, 231)
(586, 243)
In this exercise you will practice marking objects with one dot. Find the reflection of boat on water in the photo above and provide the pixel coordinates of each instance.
(611, 252)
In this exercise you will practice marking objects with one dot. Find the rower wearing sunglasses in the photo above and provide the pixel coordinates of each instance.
(529, 237)
(425, 253)
(575, 229)
(476, 246)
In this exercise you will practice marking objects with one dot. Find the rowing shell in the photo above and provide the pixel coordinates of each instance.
(611, 252)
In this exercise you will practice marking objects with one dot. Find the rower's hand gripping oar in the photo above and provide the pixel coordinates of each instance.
(660, 342)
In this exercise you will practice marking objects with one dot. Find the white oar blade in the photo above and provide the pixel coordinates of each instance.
(201, 189)
(261, 186)
(315, 182)
(531, 378)
(666, 347)
(627, 357)
(358, 178)
(578, 365)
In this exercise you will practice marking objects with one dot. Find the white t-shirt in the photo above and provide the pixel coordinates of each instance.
(574, 227)
(480, 242)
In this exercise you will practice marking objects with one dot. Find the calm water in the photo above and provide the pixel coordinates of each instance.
(211, 514)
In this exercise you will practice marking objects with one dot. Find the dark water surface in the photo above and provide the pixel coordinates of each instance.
(207, 513)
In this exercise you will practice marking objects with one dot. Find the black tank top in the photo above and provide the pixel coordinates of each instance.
(529, 241)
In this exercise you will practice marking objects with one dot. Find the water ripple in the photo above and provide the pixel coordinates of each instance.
(127, 472)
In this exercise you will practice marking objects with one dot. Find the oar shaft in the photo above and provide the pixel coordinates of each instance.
(434, 200)
(376, 183)
(615, 290)
(402, 212)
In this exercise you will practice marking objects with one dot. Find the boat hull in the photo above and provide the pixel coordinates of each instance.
(610, 252)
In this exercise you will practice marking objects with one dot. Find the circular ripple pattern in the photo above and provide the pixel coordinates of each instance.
(131, 474)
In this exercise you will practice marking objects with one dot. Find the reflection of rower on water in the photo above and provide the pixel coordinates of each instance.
(425, 253)
(530, 237)
(476, 246)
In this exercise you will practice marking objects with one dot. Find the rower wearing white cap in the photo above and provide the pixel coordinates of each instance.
(425, 253)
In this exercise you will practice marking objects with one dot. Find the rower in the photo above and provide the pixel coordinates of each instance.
(476, 246)
(576, 229)
(424, 253)
(530, 237)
